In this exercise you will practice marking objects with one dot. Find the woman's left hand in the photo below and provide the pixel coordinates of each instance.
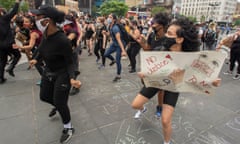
(75, 83)
(140, 75)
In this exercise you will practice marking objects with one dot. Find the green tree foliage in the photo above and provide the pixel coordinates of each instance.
(8, 4)
(24, 7)
(114, 6)
(193, 19)
(237, 22)
(203, 18)
(158, 9)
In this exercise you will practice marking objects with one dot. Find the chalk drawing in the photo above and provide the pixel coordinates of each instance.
(179, 124)
(128, 135)
(234, 124)
(111, 108)
(209, 138)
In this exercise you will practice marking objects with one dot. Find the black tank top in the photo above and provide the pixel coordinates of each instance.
(236, 44)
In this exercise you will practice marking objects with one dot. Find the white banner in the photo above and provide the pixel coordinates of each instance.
(182, 71)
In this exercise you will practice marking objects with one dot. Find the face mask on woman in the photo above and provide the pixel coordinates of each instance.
(109, 20)
(40, 26)
(98, 24)
(168, 42)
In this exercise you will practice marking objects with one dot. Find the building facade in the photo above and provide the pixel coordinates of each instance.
(204, 10)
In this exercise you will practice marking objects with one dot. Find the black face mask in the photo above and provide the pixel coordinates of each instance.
(168, 43)
(155, 30)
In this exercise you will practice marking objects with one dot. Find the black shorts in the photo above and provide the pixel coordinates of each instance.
(169, 98)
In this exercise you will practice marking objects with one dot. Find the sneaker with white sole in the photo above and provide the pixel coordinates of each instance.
(139, 113)
(236, 77)
(228, 73)
(66, 135)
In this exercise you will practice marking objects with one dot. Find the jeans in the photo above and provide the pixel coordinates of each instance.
(117, 49)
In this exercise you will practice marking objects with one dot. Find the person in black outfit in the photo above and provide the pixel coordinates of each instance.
(234, 56)
(134, 46)
(101, 41)
(71, 31)
(56, 51)
(6, 41)
(89, 35)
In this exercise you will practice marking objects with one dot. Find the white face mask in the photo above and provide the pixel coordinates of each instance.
(40, 26)
(109, 20)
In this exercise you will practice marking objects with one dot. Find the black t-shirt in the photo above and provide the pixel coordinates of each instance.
(156, 43)
(56, 51)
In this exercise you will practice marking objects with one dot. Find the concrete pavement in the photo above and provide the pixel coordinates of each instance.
(101, 112)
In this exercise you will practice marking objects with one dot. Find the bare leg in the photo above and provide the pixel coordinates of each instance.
(160, 97)
(139, 101)
(167, 113)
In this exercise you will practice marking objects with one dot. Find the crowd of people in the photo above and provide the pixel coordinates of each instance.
(53, 42)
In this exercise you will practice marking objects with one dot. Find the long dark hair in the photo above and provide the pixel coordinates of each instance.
(189, 32)
(32, 21)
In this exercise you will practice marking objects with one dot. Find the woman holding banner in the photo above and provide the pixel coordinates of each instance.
(155, 42)
(181, 35)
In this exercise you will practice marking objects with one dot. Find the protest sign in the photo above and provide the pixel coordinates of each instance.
(182, 71)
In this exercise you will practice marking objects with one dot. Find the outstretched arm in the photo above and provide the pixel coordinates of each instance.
(13, 12)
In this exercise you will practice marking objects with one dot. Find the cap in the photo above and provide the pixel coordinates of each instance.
(66, 22)
(50, 12)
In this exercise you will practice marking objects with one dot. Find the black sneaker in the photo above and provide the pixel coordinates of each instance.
(112, 63)
(11, 73)
(116, 79)
(132, 71)
(66, 135)
(53, 112)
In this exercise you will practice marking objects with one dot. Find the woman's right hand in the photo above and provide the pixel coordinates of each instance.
(75, 83)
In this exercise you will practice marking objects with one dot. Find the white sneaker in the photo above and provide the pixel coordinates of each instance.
(228, 73)
(237, 76)
(139, 113)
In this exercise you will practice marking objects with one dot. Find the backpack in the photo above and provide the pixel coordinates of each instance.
(210, 37)
(124, 34)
